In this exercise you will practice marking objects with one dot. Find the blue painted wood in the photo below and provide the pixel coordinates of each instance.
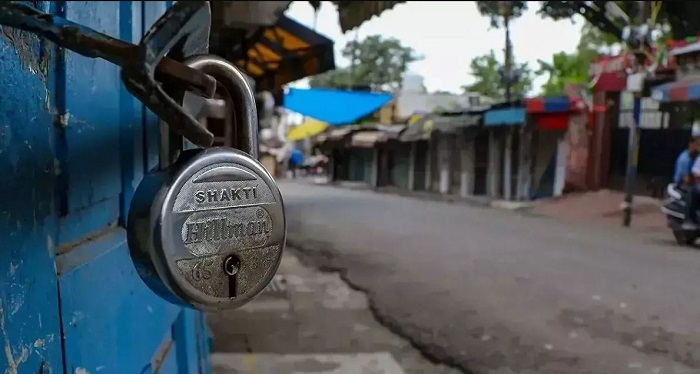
(151, 11)
(75, 145)
(130, 112)
(122, 327)
(87, 93)
(112, 322)
(92, 119)
(29, 317)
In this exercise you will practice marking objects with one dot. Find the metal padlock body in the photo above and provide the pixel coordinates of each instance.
(188, 219)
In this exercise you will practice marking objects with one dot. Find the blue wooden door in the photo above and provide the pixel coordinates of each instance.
(73, 147)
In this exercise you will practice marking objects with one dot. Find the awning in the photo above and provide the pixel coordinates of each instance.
(391, 131)
(307, 129)
(552, 113)
(285, 52)
(366, 139)
(512, 116)
(336, 107)
(337, 134)
(549, 105)
(677, 91)
(445, 123)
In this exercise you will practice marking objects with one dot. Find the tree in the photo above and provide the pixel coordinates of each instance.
(594, 39)
(572, 68)
(485, 70)
(682, 17)
(377, 62)
(566, 69)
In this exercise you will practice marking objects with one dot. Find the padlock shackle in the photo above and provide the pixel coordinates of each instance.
(228, 77)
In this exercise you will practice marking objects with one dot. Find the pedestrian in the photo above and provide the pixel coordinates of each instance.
(687, 174)
(296, 158)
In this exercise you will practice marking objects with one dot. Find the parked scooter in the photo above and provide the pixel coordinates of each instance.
(674, 209)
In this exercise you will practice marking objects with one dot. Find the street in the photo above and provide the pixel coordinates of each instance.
(495, 291)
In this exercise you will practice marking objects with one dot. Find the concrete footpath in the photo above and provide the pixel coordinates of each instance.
(309, 321)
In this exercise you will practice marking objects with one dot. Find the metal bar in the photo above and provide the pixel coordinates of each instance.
(91, 43)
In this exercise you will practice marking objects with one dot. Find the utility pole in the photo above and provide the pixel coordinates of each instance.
(633, 140)
(508, 65)
(351, 81)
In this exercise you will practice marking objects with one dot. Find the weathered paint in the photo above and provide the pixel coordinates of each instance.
(71, 143)
(28, 297)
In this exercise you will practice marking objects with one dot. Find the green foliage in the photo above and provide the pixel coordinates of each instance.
(601, 33)
(378, 63)
(566, 69)
(496, 10)
(679, 19)
(488, 82)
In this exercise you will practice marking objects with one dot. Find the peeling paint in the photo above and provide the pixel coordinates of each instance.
(63, 119)
(12, 362)
(77, 316)
(23, 43)
(81, 371)
(13, 268)
(16, 302)
(39, 343)
(49, 245)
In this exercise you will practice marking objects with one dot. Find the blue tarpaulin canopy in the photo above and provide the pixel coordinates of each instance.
(335, 107)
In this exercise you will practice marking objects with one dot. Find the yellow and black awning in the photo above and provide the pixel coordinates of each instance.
(285, 52)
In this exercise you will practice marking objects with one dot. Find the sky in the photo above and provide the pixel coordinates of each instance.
(449, 34)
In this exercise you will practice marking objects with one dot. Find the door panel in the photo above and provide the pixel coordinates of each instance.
(90, 119)
(112, 323)
(29, 319)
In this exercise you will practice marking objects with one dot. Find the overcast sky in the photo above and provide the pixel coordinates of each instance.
(449, 34)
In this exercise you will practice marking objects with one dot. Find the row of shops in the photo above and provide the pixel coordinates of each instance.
(517, 150)
(536, 147)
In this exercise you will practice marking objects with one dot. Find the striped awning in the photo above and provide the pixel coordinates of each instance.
(285, 52)
(677, 91)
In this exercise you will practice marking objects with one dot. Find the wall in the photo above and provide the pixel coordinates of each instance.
(577, 147)
(74, 145)
(545, 154)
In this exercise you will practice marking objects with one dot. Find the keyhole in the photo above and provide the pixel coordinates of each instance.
(231, 267)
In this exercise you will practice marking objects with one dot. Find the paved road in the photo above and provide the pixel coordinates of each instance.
(493, 291)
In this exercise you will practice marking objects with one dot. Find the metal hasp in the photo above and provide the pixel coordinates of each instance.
(185, 25)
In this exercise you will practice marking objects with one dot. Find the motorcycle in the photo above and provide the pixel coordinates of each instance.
(674, 209)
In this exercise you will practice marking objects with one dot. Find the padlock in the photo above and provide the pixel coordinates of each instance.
(207, 229)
